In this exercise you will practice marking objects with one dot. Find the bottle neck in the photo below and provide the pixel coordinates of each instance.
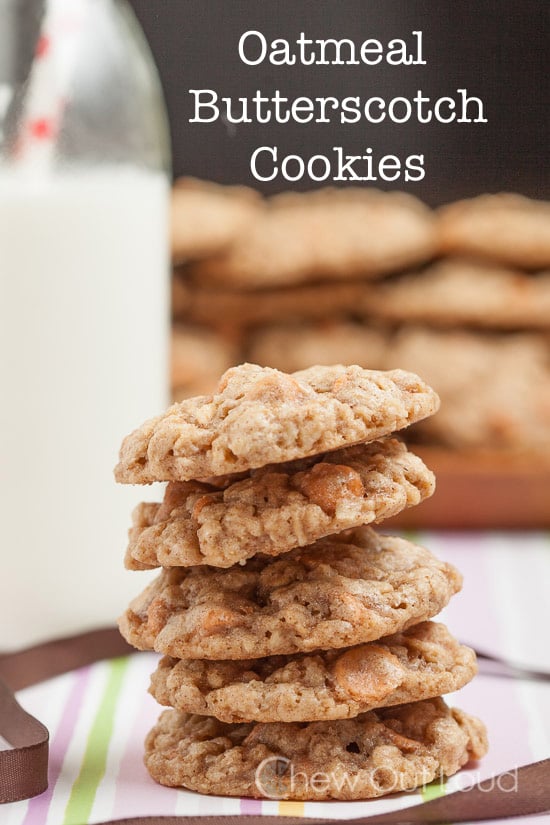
(78, 85)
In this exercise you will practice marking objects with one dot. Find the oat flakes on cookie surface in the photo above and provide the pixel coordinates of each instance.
(380, 752)
(279, 507)
(341, 591)
(261, 416)
(419, 663)
(508, 228)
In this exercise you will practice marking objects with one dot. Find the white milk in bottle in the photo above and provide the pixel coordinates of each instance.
(83, 316)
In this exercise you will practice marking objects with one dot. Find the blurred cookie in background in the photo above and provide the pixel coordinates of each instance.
(457, 291)
(322, 235)
(207, 217)
(506, 227)
(296, 347)
(494, 389)
(216, 305)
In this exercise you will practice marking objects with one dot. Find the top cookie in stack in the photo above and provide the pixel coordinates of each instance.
(260, 416)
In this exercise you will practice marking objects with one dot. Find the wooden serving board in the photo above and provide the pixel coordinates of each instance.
(482, 490)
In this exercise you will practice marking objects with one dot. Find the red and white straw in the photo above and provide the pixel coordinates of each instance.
(50, 80)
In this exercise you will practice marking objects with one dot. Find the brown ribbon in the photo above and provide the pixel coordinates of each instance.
(36, 664)
(23, 768)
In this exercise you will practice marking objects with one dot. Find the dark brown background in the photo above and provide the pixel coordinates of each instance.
(497, 49)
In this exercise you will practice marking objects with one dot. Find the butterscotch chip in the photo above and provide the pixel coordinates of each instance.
(207, 217)
(219, 305)
(279, 507)
(495, 389)
(261, 416)
(324, 235)
(296, 347)
(507, 228)
(341, 591)
(379, 752)
(422, 662)
(461, 291)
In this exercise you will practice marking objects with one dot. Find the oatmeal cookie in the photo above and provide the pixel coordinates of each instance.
(379, 752)
(340, 591)
(495, 389)
(461, 291)
(326, 234)
(229, 306)
(279, 507)
(508, 228)
(291, 347)
(207, 217)
(199, 356)
(261, 416)
(419, 663)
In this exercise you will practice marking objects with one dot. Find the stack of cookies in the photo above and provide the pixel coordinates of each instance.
(300, 661)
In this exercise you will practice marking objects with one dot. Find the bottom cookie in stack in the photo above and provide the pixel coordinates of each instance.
(376, 753)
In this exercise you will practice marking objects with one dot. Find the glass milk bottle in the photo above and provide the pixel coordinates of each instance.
(83, 304)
